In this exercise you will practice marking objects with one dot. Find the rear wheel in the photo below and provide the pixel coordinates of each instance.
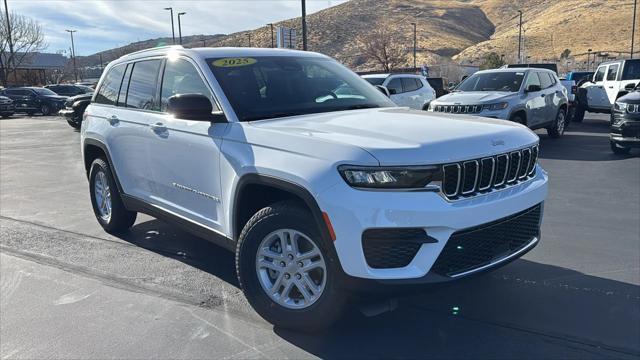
(619, 150)
(106, 201)
(556, 129)
(518, 118)
(286, 270)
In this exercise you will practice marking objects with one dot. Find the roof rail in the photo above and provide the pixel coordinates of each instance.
(156, 48)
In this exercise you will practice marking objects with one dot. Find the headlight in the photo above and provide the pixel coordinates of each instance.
(76, 104)
(414, 178)
(494, 107)
(619, 106)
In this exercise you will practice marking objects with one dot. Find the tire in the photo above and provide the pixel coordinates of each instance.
(6, 116)
(518, 119)
(30, 113)
(119, 219)
(578, 115)
(619, 150)
(330, 301)
(73, 124)
(45, 109)
(559, 124)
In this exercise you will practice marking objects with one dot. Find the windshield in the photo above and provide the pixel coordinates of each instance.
(85, 89)
(276, 86)
(493, 81)
(375, 80)
(43, 91)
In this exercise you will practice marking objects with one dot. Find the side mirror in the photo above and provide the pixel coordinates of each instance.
(384, 90)
(193, 107)
(393, 91)
(533, 88)
(630, 86)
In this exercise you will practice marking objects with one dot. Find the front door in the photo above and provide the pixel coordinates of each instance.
(397, 94)
(534, 100)
(186, 154)
(611, 83)
(596, 93)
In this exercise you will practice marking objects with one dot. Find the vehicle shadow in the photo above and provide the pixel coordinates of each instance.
(526, 309)
(586, 141)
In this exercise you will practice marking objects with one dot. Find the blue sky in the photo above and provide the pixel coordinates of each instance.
(104, 24)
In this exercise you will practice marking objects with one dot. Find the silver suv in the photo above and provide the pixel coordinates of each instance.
(533, 97)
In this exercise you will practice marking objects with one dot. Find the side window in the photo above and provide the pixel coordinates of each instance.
(599, 74)
(545, 80)
(396, 85)
(409, 84)
(122, 95)
(142, 86)
(181, 77)
(419, 83)
(612, 74)
(108, 92)
(532, 79)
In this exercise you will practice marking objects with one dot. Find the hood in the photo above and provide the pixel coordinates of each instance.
(400, 136)
(474, 97)
(631, 98)
(55, 97)
(86, 96)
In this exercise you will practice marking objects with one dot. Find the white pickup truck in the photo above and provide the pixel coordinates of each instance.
(611, 80)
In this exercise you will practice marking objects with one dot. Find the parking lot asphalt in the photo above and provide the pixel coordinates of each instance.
(69, 290)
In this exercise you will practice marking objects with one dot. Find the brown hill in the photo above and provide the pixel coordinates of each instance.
(466, 30)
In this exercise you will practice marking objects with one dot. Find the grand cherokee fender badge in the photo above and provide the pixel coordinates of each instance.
(197, 192)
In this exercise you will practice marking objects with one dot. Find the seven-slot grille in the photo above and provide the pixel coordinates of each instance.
(458, 109)
(468, 178)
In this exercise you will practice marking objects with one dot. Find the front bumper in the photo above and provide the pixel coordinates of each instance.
(69, 114)
(351, 212)
(625, 129)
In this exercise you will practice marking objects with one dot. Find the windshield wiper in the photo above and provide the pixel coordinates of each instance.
(361, 106)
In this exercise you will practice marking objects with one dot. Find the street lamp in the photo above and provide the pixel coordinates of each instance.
(249, 36)
(589, 59)
(415, 65)
(633, 27)
(173, 31)
(520, 36)
(73, 54)
(271, 25)
(304, 25)
(180, 26)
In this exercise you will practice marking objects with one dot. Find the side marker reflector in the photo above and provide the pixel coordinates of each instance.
(327, 222)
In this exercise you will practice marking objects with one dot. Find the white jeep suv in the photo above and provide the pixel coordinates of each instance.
(318, 194)
(409, 90)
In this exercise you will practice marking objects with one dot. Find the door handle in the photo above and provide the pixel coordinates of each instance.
(113, 120)
(158, 127)
(611, 87)
(542, 95)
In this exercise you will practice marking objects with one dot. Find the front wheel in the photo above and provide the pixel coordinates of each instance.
(45, 109)
(556, 129)
(619, 150)
(286, 270)
(106, 201)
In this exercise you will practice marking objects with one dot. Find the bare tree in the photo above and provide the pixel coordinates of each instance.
(27, 37)
(385, 47)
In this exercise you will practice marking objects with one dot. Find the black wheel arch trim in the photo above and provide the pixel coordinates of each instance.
(281, 184)
(103, 147)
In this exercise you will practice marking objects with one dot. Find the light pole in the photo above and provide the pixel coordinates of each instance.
(271, 25)
(73, 54)
(415, 64)
(249, 37)
(204, 42)
(304, 25)
(633, 27)
(589, 59)
(6, 11)
(520, 36)
(173, 30)
(180, 26)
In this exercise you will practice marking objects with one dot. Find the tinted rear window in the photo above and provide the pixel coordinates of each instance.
(631, 70)
(142, 86)
(108, 93)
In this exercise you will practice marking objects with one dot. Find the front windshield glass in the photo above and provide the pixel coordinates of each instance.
(493, 81)
(43, 91)
(375, 80)
(264, 87)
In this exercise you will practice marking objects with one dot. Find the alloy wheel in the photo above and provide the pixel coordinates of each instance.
(291, 269)
(102, 194)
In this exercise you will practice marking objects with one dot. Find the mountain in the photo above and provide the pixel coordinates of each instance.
(465, 30)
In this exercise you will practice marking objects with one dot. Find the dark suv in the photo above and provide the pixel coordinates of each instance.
(625, 123)
(33, 100)
(6, 107)
(69, 89)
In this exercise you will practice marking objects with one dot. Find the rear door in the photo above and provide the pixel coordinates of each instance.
(411, 90)
(549, 111)
(394, 84)
(186, 154)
